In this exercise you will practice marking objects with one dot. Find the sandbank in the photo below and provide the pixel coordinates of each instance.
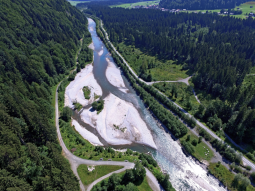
(119, 123)
(113, 75)
(101, 52)
(74, 92)
(93, 139)
(91, 46)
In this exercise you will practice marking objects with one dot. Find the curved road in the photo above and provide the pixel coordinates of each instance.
(245, 160)
(76, 161)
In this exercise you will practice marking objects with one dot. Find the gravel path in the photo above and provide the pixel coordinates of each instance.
(76, 161)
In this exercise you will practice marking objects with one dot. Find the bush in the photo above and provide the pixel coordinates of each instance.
(248, 168)
(98, 105)
(194, 142)
(250, 156)
(253, 176)
(188, 147)
(66, 114)
(148, 158)
(238, 169)
(200, 139)
(188, 138)
(232, 166)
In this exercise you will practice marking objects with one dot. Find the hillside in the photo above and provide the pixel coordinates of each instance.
(200, 4)
(38, 43)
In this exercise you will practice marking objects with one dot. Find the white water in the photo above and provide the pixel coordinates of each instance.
(184, 173)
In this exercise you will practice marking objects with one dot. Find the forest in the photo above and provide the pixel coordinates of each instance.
(200, 4)
(38, 44)
(218, 51)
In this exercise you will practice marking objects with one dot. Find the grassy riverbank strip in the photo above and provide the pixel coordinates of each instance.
(234, 182)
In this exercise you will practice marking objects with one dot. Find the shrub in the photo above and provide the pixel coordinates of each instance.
(188, 138)
(238, 169)
(194, 142)
(253, 176)
(248, 168)
(188, 147)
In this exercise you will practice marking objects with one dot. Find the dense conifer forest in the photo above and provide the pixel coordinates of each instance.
(38, 43)
(200, 4)
(219, 51)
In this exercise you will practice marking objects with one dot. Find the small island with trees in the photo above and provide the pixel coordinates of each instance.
(98, 105)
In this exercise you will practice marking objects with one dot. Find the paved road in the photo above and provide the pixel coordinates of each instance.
(245, 160)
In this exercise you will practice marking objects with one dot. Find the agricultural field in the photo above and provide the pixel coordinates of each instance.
(131, 5)
(245, 7)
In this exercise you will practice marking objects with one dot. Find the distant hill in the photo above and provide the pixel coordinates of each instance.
(38, 42)
(200, 4)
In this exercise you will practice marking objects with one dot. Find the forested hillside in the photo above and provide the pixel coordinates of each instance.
(38, 43)
(200, 4)
(219, 51)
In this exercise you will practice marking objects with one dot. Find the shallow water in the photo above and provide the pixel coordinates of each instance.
(184, 173)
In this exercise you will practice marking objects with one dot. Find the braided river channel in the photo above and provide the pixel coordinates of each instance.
(185, 173)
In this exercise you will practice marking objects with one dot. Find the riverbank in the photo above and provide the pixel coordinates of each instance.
(119, 122)
(140, 91)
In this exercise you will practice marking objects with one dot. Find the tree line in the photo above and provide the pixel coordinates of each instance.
(38, 44)
(200, 4)
(219, 51)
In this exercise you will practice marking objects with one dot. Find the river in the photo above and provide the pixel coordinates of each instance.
(184, 173)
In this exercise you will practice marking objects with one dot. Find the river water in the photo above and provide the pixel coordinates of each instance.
(184, 173)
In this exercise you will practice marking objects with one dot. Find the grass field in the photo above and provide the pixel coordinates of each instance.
(74, 3)
(245, 7)
(225, 176)
(183, 97)
(87, 177)
(130, 5)
(200, 149)
(161, 70)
